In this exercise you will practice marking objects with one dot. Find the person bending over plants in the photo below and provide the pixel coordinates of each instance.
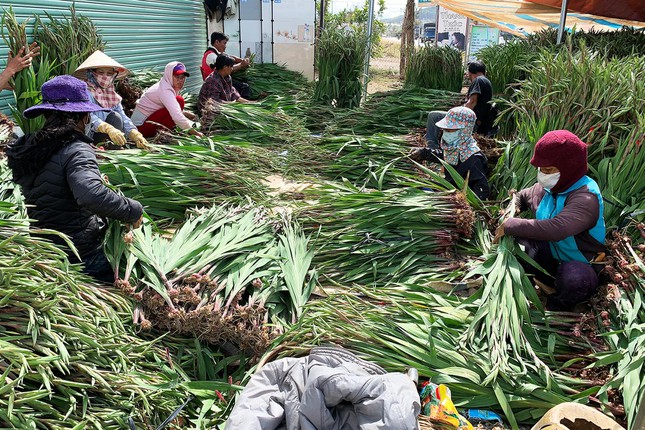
(100, 72)
(568, 232)
(218, 86)
(57, 170)
(459, 149)
(161, 106)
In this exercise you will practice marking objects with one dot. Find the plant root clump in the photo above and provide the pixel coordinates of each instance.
(198, 311)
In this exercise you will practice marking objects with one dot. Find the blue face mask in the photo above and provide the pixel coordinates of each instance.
(88, 128)
(450, 138)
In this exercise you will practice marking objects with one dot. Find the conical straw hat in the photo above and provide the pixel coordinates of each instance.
(97, 60)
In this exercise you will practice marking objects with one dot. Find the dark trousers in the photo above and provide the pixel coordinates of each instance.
(243, 88)
(574, 281)
(115, 120)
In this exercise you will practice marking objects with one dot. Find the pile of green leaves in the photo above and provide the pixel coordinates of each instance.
(173, 179)
(435, 67)
(222, 275)
(374, 237)
(272, 79)
(340, 59)
(67, 356)
(26, 83)
(69, 40)
(395, 112)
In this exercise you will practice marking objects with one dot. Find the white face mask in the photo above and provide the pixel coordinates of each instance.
(548, 181)
(87, 129)
(450, 138)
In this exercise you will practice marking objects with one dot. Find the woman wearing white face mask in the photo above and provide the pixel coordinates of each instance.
(461, 151)
(569, 230)
(100, 72)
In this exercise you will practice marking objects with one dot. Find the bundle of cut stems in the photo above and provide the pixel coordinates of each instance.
(67, 360)
(374, 237)
(624, 322)
(401, 326)
(395, 112)
(181, 177)
(69, 40)
(435, 67)
(26, 83)
(269, 78)
(378, 161)
(259, 123)
(222, 276)
(340, 59)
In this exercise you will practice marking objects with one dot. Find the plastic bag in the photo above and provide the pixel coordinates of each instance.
(437, 405)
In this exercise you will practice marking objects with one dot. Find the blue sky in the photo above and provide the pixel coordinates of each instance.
(392, 7)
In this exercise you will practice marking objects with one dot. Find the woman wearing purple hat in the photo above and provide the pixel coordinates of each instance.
(57, 170)
(568, 232)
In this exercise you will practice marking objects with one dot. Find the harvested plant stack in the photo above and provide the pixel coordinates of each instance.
(178, 178)
(401, 326)
(340, 60)
(66, 357)
(435, 67)
(374, 237)
(395, 112)
(222, 276)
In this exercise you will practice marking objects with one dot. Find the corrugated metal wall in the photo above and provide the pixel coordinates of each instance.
(138, 33)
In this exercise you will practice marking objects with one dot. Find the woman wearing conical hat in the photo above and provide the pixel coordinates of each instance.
(100, 72)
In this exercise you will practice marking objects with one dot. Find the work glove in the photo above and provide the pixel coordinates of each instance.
(138, 139)
(116, 136)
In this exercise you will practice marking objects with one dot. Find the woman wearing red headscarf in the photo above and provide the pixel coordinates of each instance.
(568, 231)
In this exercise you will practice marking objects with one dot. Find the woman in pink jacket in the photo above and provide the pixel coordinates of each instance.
(161, 106)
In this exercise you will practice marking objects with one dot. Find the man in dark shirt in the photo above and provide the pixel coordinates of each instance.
(479, 96)
(478, 99)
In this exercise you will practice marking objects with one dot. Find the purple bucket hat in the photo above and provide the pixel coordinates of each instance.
(66, 94)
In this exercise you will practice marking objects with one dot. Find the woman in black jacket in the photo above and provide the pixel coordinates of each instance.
(57, 170)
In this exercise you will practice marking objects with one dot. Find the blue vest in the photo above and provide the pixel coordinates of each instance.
(552, 204)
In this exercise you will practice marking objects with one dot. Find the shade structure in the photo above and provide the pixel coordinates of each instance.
(521, 17)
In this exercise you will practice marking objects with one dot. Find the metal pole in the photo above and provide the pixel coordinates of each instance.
(366, 71)
(563, 21)
(322, 14)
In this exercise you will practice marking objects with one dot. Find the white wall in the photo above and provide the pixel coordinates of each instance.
(276, 31)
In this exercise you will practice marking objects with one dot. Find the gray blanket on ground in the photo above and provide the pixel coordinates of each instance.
(331, 389)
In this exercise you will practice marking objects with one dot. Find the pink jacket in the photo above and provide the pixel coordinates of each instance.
(161, 95)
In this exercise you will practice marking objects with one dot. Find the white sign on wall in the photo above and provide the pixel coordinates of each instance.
(451, 29)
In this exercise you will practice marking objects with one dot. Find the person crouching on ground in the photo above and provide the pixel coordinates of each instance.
(568, 231)
(161, 106)
(218, 87)
(459, 149)
(100, 72)
(57, 170)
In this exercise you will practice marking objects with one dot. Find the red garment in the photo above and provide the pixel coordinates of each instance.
(159, 119)
(205, 68)
(564, 150)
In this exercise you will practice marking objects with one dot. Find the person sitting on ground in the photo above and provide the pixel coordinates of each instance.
(460, 150)
(218, 87)
(568, 232)
(57, 170)
(100, 72)
(478, 99)
(17, 63)
(161, 106)
(218, 42)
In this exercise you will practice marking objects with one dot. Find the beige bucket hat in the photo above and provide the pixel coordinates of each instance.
(97, 60)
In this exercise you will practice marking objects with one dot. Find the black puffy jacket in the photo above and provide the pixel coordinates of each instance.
(67, 193)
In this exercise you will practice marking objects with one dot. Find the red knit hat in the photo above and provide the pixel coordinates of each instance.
(564, 150)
